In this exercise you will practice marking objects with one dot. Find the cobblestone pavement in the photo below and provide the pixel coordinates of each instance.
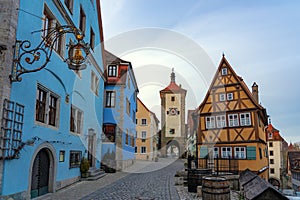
(185, 195)
(143, 179)
(153, 181)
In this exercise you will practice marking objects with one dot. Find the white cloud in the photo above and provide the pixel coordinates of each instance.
(260, 40)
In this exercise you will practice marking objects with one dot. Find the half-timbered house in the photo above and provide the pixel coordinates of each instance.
(231, 125)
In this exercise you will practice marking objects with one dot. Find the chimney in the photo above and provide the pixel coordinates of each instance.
(255, 91)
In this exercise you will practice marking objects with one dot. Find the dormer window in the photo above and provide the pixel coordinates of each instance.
(270, 135)
(112, 71)
(224, 71)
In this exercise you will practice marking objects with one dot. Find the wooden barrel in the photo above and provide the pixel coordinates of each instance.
(195, 178)
(215, 188)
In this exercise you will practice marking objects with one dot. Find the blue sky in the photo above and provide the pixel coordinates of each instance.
(260, 39)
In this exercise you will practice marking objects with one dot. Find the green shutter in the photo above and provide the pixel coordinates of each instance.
(251, 153)
(203, 151)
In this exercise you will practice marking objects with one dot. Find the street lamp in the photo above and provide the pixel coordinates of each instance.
(27, 59)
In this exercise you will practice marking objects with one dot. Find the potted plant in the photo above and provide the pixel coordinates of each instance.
(84, 167)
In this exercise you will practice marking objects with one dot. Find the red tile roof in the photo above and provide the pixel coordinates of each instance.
(275, 133)
(173, 88)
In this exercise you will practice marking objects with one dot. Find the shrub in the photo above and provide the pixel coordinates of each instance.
(84, 165)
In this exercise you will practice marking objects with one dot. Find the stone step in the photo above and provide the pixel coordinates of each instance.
(94, 174)
(93, 178)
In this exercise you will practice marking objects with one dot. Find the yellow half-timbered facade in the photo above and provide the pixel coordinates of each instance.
(232, 122)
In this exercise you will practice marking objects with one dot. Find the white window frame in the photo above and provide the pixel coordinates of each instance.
(142, 122)
(143, 149)
(50, 23)
(112, 70)
(234, 121)
(222, 97)
(210, 122)
(224, 71)
(245, 119)
(270, 135)
(144, 135)
(221, 121)
(226, 152)
(128, 106)
(78, 120)
(216, 152)
(94, 83)
(110, 99)
(230, 96)
(48, 105)
(240, 152)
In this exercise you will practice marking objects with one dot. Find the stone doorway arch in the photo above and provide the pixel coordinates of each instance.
(173, 149)
(275, 182)
(42, 171)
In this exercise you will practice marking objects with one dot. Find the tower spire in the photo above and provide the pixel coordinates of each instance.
(172, 76)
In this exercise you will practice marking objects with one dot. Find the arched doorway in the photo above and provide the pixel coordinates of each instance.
(275, 182)
(173, 149)
(40, 175)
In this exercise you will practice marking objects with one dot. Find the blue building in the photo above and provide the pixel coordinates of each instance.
(119, 121)
(53, 117)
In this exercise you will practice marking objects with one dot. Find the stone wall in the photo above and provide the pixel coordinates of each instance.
(8, 21)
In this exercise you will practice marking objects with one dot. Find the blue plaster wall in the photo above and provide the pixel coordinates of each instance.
(61, 81)
(119, 116)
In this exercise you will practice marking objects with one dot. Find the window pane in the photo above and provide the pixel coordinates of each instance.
(112, 70)
(109, 132)
(41, 105)
(110, 98)
(52, 110)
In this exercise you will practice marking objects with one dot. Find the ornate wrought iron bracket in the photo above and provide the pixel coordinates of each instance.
(29, 59)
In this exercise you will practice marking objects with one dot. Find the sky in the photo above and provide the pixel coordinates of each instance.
(260, 40)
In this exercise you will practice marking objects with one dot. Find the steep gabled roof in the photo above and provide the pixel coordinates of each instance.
(111, 59)
(237, 78)
(275, 133)
(152, 113)
(255, 187)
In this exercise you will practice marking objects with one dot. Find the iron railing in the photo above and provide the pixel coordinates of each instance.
(220, 165)
(217, 165)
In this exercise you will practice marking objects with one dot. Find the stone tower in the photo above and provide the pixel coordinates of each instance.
(173, 134)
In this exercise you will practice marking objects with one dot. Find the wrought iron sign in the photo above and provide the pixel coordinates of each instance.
(29, 59)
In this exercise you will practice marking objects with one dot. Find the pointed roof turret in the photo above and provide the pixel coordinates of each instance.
(173, 87)
(172, 76)
(291, 147)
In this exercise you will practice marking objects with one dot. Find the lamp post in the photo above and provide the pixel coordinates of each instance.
(195, 131)
(28, 60)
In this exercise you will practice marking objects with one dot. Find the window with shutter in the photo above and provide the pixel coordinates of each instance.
(203, 151)
(251, 153)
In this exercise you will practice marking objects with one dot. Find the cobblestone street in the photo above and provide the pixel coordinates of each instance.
(151, 182)
(143, 180)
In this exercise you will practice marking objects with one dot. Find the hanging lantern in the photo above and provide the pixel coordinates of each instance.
(77, 55)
